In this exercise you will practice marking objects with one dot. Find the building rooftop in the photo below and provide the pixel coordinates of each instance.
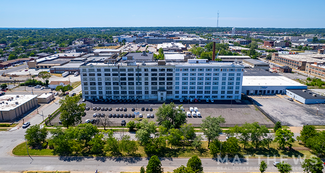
(307, 94)
(306, 57)
(54, 62)
(171, 45)
(258, 72)
(45, 95)
(141, 56)
(9, 102)
(269, 81)
(174, 56)
(106, 50)
(255, 62)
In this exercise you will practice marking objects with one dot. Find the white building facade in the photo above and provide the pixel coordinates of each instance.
(198, 79)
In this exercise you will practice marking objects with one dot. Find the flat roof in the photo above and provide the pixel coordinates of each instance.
(269, 81)
(307, 94)
(106, 50)
(138, 56)
(233, 57)
(6, 105)
(255, 62)
(54, 62)
(45, 95)
(258, 72)
(175, 56)
(305, 57)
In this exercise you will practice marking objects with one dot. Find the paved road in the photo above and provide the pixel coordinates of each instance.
(18, 68)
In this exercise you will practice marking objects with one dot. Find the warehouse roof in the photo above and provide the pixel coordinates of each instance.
(305, 57)
(255, 62)
(307, 94)
(54, 62)
(9, 102)
(269, 81)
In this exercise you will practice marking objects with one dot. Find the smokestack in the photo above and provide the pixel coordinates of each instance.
(214, 51)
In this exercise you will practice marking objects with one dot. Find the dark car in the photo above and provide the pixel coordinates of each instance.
(133, 109)
(102, 109)
(109, 115)
(94, 108)
(123, 123)
(130, 116)
(102, 115)
(142, 109)
(117, 115)
(121, 109)
(98, 108)
(93, 121)
(151, 109)
(106, 109)
(83, 114)
(152, 116)
(125, 109)
(114, 115)
(87, 108)
(73, 94)
(133, 115)
(147, 109)
(109, 109)
(122, 115)
(25, 125)
(117, 109)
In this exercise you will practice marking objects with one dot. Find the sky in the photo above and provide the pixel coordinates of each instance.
(146, 13)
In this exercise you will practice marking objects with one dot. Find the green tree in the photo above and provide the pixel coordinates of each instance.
(183, 169)
(317, 143)
(35, 136)
(315, 40)
(211, 127)
(174, 137)
(71, 111)
(4, 86)
(44, 75)
(308, 131)
(142, 170)
(155, 146)
(257, 134)
(277, 126)
(284, 138)
(170, 117)
(112, 144)
(284, 167)
(154, 165)
(127, 145)
(187, 132)
(215, 147)
(144, 131)
(263, 166)
(195, 164)
(231, 146)
(313, 165)
(131, 125)
(85, 133)
(12, 56)
(197, 142)
(97, 144)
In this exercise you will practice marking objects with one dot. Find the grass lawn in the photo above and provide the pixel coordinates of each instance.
(3, 129)
(20, 150)
(320, 127)
(75, 84)
(181, 152)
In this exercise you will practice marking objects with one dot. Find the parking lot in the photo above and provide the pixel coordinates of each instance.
(291, 113)
(234, 113)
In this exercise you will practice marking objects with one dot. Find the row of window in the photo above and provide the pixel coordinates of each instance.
(160, 69)
(124, 92)
(207, 78)
(207, 74)
(206, 92)
(207, 69)
(206, 87)
(127, 83)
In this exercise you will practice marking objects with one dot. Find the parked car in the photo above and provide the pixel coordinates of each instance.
(102, 115)
(25, 125)
(121, 109)
(94, 108)
(188, 114)
(194, 114)
(133, 115)
(125, 109)
(133, 109)
(198, 114)
(95, 115)
(196, 109)
(152, 116)
(98, 108)
(122, 115)
(191, 109)
(142, 109)
(151, 109)
(148, 115)
(140, 116)
(87, 121)
(83, 100)
(56, 93)
(123, 123)
(114, 115)
(117, 109)
(276, 164)
(110, 115)
(73, 94)
(110, 109)
(117, 115)
(130, 116)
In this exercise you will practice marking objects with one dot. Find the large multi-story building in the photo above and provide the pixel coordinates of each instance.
(160, 81)
(298, 62)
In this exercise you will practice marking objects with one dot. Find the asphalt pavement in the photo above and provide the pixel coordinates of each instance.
(13, 69)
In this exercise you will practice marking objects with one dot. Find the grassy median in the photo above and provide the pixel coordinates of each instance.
(186, 151)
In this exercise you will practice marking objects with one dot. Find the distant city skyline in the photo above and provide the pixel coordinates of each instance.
(145, 13)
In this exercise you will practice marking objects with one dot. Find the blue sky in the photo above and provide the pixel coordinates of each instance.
(137, 13)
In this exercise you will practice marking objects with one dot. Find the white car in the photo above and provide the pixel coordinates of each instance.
(148, 115)
(182, 108)
(87, 121)
(94, 115)
(188, 114)
(198, 114)
(193, 114)
(196, 109)
(191, 109)
(276, 164)
(42, 88)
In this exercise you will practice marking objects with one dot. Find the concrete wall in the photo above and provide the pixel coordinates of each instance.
(6, 116)
(268, 90)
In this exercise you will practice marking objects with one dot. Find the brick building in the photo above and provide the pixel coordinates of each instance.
(268, 43)
(298, 62)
